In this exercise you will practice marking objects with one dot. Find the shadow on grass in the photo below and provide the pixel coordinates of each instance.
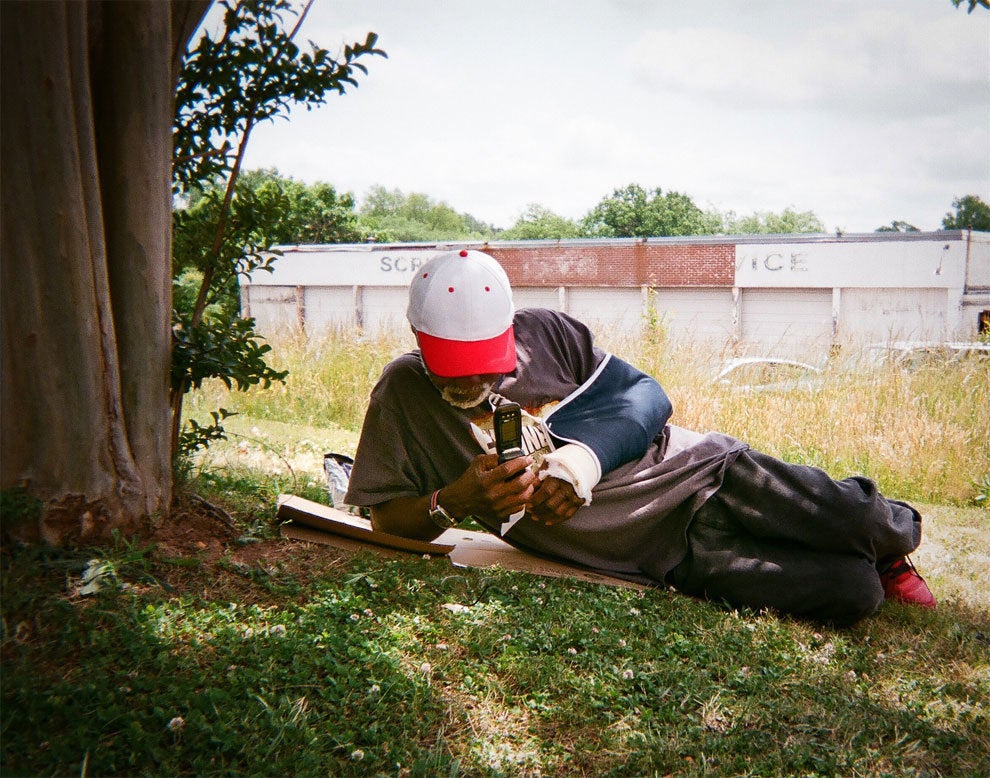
(401, 667)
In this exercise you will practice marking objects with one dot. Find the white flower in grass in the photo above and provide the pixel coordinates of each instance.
(634, 611)
(622, 642)
(354, 617)
(628, 675)
(177, 724)
(248, 632)
(278, 630)
(572, 651)
(357, 755)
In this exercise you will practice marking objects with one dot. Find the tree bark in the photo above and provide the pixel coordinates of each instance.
(86, 117)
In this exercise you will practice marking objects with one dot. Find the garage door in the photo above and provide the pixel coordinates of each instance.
(329, 307)
(620, 308)
(893, 314)
(273, 307)
(698, 314)
(786, 321)
(536, 297)
(383, 309)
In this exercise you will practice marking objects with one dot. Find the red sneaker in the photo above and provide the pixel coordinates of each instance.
(902, 583)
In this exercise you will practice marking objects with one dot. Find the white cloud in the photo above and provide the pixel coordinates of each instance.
(875, 61)
(861, 112)
(722, 64)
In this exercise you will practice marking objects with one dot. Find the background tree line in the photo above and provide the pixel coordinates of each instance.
(290, 212)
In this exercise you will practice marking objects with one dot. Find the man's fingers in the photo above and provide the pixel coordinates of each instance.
(554, 501)
(509, 470)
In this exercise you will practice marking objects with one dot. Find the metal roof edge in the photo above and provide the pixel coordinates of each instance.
(860, 237)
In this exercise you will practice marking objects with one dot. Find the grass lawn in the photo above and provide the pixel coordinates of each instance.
(214, 648)
(265, 658)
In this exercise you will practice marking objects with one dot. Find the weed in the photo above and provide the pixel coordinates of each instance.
(982, 496)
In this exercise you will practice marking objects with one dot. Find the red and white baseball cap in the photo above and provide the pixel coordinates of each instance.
(460, 304)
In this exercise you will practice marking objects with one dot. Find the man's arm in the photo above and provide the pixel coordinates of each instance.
(405, 516)
(486, 489)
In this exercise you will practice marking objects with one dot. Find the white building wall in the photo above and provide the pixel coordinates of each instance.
(343, 266)
(814, 290)
(974, 310)
(889, 314)
(978, 270)
(938, 262)
(883, 288)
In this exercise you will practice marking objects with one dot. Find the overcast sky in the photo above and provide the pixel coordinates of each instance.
(863, 111)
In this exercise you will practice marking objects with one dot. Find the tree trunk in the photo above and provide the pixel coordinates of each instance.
(86, 117)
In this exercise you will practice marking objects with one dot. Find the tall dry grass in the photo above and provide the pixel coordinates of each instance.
(922, 435)
(330, 378)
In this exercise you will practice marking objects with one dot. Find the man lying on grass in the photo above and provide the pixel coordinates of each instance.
(604, 481)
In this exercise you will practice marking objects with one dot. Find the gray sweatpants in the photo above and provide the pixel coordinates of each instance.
(791, 538)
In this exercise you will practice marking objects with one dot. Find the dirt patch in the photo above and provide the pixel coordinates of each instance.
(194, 529)
(198, 530)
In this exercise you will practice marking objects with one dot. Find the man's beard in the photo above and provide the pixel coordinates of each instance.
(466, 398)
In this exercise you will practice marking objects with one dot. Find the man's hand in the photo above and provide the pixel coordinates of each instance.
(554, 501)
(491, 490)
(486, 489)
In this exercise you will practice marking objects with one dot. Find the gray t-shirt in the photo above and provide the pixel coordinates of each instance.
(413, 442)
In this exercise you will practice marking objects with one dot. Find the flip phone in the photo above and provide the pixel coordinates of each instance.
(507, 426)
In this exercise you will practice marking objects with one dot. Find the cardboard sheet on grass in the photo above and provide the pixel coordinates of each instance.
(315, 523)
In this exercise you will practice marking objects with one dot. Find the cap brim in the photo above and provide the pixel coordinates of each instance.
(454, 358)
